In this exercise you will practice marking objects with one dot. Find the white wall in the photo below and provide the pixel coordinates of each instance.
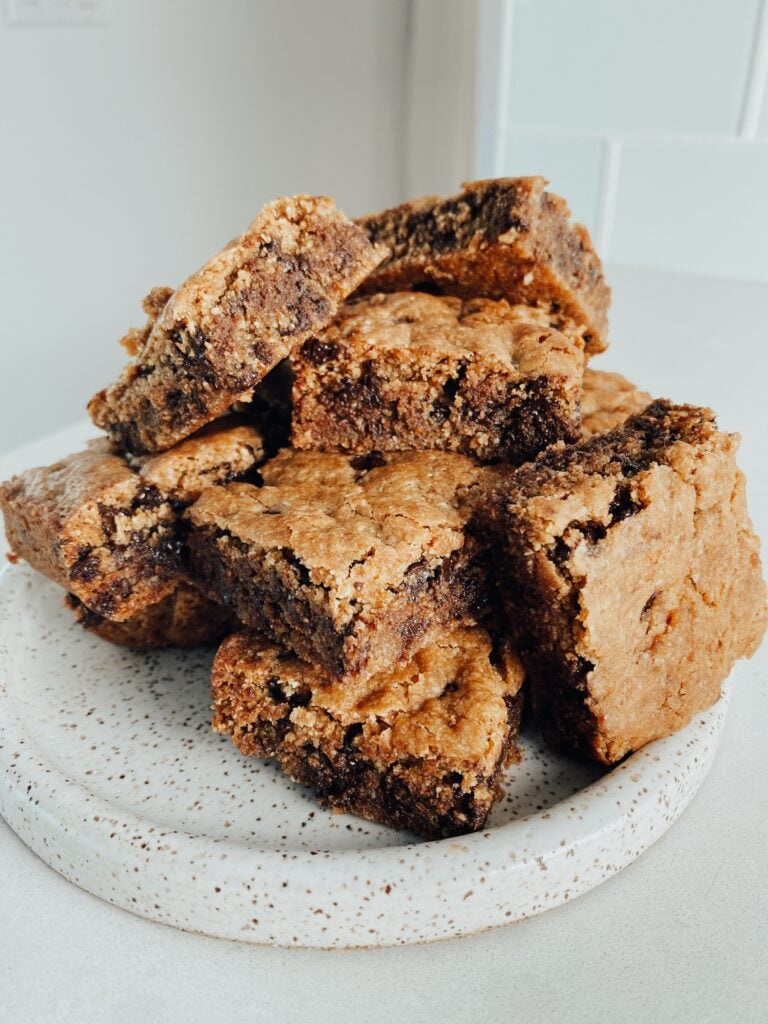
(130, 152)
(650, 117)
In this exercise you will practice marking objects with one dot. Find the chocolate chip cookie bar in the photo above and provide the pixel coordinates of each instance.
(210, 342)
(353, 562)
(505, 238)
(415, 372)
(631, 577)
(420, 746)
(105, 527)
(608, 400)
(184, 618)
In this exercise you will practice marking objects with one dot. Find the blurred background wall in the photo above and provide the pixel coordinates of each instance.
(651, 117)
(133, 148)
(137, 136)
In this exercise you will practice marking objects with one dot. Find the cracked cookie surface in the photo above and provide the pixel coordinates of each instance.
(351, 561)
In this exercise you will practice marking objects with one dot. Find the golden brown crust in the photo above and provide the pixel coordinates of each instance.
(409, 371)
(228, 324)
(78, 522)
(184, 618)
(632, 580)
(106, 531)
(351, 561)
(505, 238)
(515, 339)
(445, 713)
(223, 450)
(355, 530)
(608, 401)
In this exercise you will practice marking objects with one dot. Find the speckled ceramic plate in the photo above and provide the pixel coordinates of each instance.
(111, 774)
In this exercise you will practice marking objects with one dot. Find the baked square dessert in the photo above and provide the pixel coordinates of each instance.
(184, 618)
(210, 342)
(353, 562)
(420, 746)
(505, 238)
(106, 527)
(608, 400)
(631, 577)
(413, 372)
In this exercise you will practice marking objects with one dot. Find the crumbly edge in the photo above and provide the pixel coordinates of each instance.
(184, 618)
(407, 796)
(135, 562)
(106, 528)
(623, 452)
(400, 407)
(266, 717)
(234, 320)
(227, 450)
(608, 400)
(455, 245)
(568, 248)
(425, 228)
(544, 623)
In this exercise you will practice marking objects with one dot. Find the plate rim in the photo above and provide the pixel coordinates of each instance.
(686, 757)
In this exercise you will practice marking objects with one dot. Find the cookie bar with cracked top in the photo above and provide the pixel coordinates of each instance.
(184, 618)
(505, 238)
(210, 342)
(608, 400)
(420, 746)
(105, 527)
(631, 577)
(354, 562)
(409, 371)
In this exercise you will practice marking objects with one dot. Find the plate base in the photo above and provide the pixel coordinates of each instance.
(112, 775)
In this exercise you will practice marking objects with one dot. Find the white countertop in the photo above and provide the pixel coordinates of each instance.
(681, 935)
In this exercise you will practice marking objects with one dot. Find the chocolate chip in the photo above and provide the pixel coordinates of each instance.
(107, 516)
(300, 698)
(452, 385)
(352, 732)
(147, 497)
(85, 569)
(559, 552)
(275, 691)
(593, 531)
(440, 410)
(364, 463)
(623, 504)
(648, 605)
(317, 352)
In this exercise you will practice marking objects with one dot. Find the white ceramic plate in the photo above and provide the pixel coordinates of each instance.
(111, 774)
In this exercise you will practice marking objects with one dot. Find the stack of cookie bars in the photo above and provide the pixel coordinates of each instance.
(373, 457)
